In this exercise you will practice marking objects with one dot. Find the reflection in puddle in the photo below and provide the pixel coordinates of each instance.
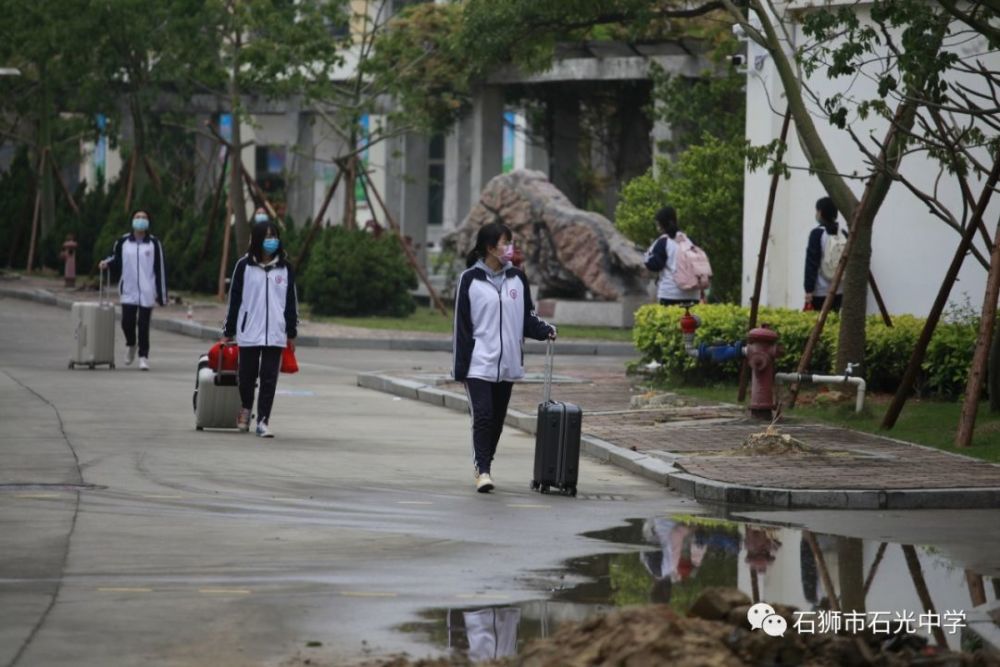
(680, 556)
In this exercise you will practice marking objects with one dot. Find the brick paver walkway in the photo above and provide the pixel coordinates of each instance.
(700, 439)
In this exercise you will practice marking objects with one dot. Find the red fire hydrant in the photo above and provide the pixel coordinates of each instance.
(762, 351)
(68, 255)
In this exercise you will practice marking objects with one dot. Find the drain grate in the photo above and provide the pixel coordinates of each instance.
(600, 496)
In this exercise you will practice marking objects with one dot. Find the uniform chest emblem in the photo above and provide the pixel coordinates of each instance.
(278, 280)
(513, 294)
(149, 253)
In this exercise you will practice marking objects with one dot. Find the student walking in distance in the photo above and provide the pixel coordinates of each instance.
(823, 253)
(662, 257)
(263, 317)
(493, 315)
(137, 258)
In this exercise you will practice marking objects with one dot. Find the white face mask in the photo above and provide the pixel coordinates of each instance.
(140, 224)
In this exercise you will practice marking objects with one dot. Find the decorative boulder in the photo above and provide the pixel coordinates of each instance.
(568, 252)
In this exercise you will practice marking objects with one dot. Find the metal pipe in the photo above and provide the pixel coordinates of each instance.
(859, 401)
(717, 353)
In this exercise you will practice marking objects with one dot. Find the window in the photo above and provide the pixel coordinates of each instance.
(270, 162)
(435, 181)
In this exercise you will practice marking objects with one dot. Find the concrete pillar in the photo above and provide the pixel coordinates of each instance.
(487, 139)
(209, 164)
(457, 174)
(301, 189)
(565, 159)
(413, 201)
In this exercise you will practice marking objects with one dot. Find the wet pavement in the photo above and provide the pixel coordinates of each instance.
(128, 538)
(675, 558)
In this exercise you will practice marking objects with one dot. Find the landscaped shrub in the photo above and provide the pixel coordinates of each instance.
(657, 336)
(351, 272)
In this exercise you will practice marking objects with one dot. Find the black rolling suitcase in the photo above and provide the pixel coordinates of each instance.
(557, 440)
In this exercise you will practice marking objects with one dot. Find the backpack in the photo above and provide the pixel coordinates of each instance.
(693, 270)
(833, 250)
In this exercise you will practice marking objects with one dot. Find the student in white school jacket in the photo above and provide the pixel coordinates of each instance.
(137, 258)
(263, 317)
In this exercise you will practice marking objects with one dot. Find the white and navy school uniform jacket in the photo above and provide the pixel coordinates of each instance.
(491, 322)
(263, 305)
(142, 270)
(662, 257)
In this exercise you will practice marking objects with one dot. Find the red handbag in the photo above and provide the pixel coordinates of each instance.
(230, 353)
(288, 362)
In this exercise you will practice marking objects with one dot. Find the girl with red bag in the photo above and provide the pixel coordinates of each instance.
(263, 317)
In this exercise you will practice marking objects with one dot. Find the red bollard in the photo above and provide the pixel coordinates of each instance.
(762, 352)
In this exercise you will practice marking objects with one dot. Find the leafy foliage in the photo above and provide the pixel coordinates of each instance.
(419, 59)
(657, 335)
(705, 186)
(352, 272)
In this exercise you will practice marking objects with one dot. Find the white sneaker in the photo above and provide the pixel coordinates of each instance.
(130, 355)
(263, 431)
(484, 484)
(143, 364)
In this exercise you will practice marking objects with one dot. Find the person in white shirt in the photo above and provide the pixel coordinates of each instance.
(137, 258)
(662, 257)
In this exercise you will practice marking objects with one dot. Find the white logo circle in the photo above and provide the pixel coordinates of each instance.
(775, 626)
(758, 613)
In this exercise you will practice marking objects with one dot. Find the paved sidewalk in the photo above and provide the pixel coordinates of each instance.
(206, 318)
(690, 447)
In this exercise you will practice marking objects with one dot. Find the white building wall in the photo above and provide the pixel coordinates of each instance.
(911, 248)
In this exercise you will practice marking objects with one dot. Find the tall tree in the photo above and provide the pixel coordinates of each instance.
(271, 49)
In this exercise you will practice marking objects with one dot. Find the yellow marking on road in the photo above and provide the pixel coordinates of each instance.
(481, 596)
(528, 506)
(415, 502)
(225, 591)
(368, 594)
(36, 496)
(124, 589)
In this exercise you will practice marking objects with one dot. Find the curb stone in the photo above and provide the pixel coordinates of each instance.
(707, 490)
(204, 332)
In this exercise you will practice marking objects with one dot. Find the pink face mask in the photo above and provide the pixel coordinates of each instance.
(508, 254)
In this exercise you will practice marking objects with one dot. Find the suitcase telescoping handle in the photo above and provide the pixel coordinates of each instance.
(103, 286)
(547, 391)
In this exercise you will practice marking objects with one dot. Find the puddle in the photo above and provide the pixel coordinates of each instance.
(679, 556)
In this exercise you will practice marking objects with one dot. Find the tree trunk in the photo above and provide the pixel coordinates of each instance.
(977, 370)
(851, 572)
(854, 312)
(350, 196)
(236, 197)
(993, 375)
(45, 119)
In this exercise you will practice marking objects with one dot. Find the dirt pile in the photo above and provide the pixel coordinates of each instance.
(715, 634)
(772, 442)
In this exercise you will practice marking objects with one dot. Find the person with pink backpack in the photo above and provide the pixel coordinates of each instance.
(685, 272)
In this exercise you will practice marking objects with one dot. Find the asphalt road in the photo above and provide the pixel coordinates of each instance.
(126, 537)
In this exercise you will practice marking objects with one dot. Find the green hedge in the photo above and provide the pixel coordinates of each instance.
(354, 273)
(657, 335)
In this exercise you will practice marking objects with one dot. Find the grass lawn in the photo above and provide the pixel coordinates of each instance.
(430, 320)
(925, 422)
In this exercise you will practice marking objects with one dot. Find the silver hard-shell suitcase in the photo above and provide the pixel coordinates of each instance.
(94, 330)
(216, 396)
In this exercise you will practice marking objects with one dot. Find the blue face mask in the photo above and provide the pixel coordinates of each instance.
(271, 246)
(140, 224)
(261, 217)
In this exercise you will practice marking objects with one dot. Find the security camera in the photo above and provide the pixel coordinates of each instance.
(738, 60)
(738, 32)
